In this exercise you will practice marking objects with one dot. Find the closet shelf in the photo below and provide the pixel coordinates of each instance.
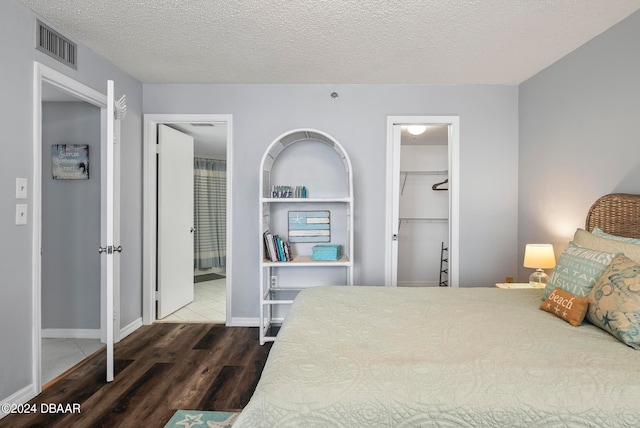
(445, 172)
(427, 172)
(421, 220)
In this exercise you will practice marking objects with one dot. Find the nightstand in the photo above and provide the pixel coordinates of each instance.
(515, 285)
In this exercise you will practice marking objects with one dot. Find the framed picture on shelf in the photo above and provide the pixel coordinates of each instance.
(309, 226)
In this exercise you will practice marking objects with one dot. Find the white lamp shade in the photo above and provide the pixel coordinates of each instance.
(539, 256)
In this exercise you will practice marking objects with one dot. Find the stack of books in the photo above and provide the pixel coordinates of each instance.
(276, 250)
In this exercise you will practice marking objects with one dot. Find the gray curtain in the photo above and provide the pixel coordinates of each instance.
(210, 212)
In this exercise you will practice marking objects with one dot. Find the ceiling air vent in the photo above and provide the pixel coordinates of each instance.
(56, 45)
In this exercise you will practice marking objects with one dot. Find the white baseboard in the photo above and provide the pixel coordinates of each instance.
(20, 397)
(80, 333)
(70, 333)
(244, 322)
(128, 329)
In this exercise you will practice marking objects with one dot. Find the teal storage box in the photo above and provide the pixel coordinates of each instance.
(326, 252)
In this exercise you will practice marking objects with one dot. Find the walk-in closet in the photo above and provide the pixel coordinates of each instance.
(423, 238)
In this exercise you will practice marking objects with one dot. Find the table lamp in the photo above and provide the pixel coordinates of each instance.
(539, 257)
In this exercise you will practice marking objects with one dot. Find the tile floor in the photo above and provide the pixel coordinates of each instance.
(59, 355)
(209, 304)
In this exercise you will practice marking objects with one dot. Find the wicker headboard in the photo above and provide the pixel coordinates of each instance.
(617, 214)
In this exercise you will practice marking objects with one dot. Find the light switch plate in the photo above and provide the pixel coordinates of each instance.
(21, 188)
(21, 214)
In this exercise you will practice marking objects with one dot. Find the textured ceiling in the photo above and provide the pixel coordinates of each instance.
(332, 41)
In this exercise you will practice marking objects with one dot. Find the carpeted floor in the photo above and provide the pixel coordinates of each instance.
(199, 418)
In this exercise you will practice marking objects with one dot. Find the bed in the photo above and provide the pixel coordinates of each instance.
(469, 357)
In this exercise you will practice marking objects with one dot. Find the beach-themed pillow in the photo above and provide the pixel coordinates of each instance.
(565, 305)
(589, 240)
(614, 301)
(577, 269)
(599, 232)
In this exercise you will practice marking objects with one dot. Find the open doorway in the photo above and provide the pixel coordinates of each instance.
(77, 305)
(70, 296)
(423, 224)
(422, 201)
(211, 254)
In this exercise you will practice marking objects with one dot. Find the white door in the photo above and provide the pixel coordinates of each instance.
(110, 212)
(395, 208)
(175, 220)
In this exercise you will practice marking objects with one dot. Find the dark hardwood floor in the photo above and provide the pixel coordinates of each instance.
(158, 369)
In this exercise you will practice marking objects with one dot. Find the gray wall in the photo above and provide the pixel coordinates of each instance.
(70, 222)
(16, 116)
(357, 119)
(579, 136)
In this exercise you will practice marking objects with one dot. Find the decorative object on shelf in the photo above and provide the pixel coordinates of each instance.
(70, 161)
(309, 226)
(289, 192)
(539, 257)
(326, 252)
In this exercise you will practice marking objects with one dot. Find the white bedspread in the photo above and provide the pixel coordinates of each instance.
(423, 357)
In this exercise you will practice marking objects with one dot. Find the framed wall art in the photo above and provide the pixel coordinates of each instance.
(70, 161)
(309, 226)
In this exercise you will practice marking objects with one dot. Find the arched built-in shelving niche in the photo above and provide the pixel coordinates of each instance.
(315, 160)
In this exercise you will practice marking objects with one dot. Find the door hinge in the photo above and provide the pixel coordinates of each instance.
(110, 249)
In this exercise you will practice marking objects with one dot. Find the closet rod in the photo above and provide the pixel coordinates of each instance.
(408, 173)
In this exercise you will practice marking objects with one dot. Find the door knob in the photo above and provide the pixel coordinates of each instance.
(193, 229)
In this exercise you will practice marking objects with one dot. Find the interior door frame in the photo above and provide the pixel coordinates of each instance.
(43, 74)
(150, 206)
(393, 174)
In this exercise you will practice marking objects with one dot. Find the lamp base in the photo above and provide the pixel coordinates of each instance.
(538, 279)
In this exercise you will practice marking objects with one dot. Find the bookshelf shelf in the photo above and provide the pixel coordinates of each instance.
(303, 156)
(307, 200)
(299, 261)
